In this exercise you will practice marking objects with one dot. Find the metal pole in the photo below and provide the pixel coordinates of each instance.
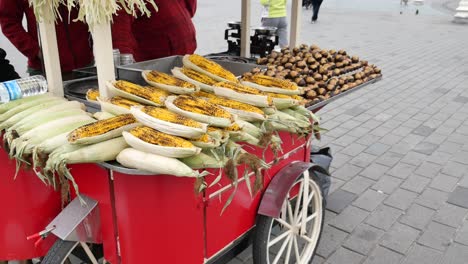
(296, 14)
(461, 16)
(245, 29)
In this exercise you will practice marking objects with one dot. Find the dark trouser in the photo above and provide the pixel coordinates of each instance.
(316, 6)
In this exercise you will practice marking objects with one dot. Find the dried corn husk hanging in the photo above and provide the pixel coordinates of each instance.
(92, 12)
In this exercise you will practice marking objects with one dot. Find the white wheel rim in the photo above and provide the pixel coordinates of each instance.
(297, 238)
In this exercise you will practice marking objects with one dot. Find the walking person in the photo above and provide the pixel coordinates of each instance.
(274, 15)
(315, 9)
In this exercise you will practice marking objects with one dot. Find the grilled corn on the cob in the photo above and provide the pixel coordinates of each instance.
(152, 141)
(102, 130)
(168, 122)
(117, 105)
(146, 95)
(242, 93)
(271, 84)
(283, 101)
(242, 110)
(204, 81)
(92, 94)
(208, 67)
(199, 110)
(169, 83)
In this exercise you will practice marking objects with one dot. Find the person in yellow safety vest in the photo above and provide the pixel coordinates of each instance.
(274, 15)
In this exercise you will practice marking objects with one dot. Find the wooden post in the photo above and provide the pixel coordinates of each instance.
(245, 29)
(51, 56)
(296, 14)
(103, 54)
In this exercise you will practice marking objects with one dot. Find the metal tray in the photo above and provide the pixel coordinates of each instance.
(132, 72)
(115, 166)
(76, 90)
(333, 98)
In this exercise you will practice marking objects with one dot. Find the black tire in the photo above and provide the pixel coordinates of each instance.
(262, 231)
(62, 249)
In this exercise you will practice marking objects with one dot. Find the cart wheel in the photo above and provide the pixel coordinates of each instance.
(290, 239)
(63, 252)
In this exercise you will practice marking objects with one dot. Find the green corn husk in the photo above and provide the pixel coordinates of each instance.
(12, 104)
(25, 106)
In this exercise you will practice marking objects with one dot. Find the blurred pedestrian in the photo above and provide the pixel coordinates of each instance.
(73, 39)
(316, 7)
(274, 15)
(169, 31)
(7, 71)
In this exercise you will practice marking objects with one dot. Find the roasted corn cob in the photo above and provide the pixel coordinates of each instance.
(122, 102)
(92, 94)
(163, 78)
(166, 115)
(198, 76)
(155, 137)
(242, 93)
(208, 67)
(102, 130)
(149, 94)
(242, 110)
(200, 106)
(271, 84)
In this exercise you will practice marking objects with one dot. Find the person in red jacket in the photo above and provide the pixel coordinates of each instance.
(73, 39)
(168, 32)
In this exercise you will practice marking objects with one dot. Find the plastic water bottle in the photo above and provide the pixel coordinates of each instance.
(24, 87)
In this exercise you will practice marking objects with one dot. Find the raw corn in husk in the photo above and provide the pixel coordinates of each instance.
(169, 83)
(242, 93)
(168, 122)
(205, 160)
(271, 84)
(202, 80)
(26, 105)
(155, 164)
(221, 134)
(102, 130)
(148, 95)
(199, 110)
(117, 105)
(152, 141)
(12, 104)
(208, 67)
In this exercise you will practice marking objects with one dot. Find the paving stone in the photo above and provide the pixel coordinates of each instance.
(426, 148)
(437, 236)
(339, 200)
(355, 111)
(417, 216)
(377, 149)
(422, 255)
(363, 239)
(345, 140)
(235, 261)
(455, 169)
(461, 99)
(353, 149)
(343, 255)
(461, 156)
(451, 215)
(444, 183)
(423, 131)
(400, 199)
(401, 148)
(349, 218)
(363, 160)
(336, 132)
(331, 239)
(463, 182)
(350, 124)
(363, 117)
(456, 254)
(316, 259)
(429, 170)
(387, 184)
(415, 183)
(462, 234)
(402, 116)
(380, 131)
(432, 198)
(359, 132)
(335, 184)
(402, 170)
(371, 124)
(358, 184)
(340, 159)
(399, 238)
(459, 197)
(439, 157)
(389, 159)
(412, 123)
(329, 215)
(402, 131)
(347, 172)
(390, 139)
(368, 140)
(449, 147)
(414, 158)
(381, 255)
(392, 123)
(369, 200)
(435, 138)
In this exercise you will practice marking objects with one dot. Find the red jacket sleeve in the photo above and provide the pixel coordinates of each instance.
(191, 6)
(122, 33)
(11, 18)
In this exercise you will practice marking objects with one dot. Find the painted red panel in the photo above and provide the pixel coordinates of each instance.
(160, 220)
(94, 181)
(240, 216)
(27, 208)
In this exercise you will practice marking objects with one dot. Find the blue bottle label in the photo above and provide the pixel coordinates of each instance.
(14, 91)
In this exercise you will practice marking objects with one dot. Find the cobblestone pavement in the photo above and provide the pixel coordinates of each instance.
(400, 145)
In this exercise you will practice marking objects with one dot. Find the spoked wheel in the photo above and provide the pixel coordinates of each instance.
(71, 252)
(294, 236)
